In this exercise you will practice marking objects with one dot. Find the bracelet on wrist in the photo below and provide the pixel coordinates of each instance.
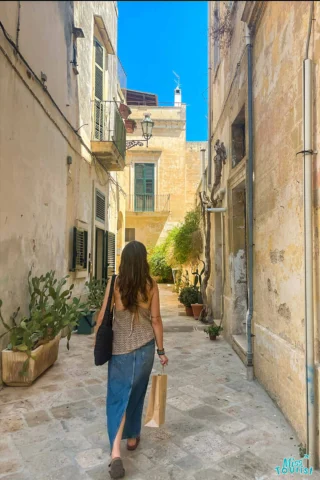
(160, 352)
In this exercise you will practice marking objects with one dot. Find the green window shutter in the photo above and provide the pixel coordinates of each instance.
(99, 110)
(144, 187)
(79, 250)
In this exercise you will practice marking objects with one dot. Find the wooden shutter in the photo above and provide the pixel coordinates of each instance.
(99, 106)
(110, 253)
(79, 250)
(100, 206)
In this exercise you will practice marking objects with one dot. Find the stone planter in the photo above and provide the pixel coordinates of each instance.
(196, 309)
(189, 312)
(12, 363)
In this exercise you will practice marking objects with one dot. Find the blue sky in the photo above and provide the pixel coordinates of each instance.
(155, 38)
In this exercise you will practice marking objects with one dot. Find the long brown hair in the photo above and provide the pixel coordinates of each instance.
(134, 276)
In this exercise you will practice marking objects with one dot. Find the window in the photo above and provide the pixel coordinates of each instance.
(80, 250)
(130, 234)
(238, 131)
(100, 206)
(144, 187)
(216, 26)
(99, 106)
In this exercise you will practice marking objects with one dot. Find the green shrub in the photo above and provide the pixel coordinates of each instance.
(97, 290)
(189, 296)
(185, 249)
(158, 265)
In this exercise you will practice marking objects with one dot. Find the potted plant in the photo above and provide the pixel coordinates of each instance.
(96, 292)
(34, 340)
(124, 111)
(198, 306)
(131, 125)
(213, 331)
(188, 296)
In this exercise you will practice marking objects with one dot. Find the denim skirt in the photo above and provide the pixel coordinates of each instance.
(128, 378)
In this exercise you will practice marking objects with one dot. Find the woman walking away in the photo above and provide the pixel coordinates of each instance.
(136, 325)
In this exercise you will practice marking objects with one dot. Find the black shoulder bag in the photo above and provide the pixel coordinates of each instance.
(103, 346)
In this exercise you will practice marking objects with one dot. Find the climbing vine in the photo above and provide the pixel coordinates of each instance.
(222, 29)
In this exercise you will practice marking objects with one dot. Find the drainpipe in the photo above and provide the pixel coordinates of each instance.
(223, 272)
(217, 210)
(308, 247)
(210, 97)
(249, 201)
(221, 210)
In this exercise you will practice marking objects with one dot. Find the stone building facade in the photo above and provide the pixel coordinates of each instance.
(161, 178)
(62, 144)
(278, 33)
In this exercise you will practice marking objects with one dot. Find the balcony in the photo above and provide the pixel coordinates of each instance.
(109, 136)
(147, 204)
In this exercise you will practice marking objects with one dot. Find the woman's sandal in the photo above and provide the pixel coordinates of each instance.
(116, 468)
(134, 447)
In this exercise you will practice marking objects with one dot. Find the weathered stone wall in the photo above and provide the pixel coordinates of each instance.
(278, 323)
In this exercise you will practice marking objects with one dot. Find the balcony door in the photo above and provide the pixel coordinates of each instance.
(144, 187)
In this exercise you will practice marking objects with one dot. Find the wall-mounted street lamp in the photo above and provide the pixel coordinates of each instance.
(147, 126)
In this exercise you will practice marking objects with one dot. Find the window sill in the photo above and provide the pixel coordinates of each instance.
(81, 274)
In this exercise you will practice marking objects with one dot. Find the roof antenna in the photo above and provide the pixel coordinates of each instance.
(177, 80)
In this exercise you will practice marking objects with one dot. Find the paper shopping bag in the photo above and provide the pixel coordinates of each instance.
(156, 409)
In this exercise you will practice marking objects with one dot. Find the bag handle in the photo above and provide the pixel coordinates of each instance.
(107, 318)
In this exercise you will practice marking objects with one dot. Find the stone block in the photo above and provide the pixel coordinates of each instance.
(209, 446)
(37, 418)
(90, 458)
(184, 402)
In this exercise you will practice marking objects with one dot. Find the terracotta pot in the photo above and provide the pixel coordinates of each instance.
(12, 363)
(189, 312)
(124, 111)
(213, 337)
(196, 309)
(130, 126)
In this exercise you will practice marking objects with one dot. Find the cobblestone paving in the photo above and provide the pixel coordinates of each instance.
(218, 426)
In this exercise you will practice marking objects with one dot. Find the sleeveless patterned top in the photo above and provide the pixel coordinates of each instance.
(129, 333)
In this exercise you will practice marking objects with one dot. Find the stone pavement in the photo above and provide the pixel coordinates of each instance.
(218, 426)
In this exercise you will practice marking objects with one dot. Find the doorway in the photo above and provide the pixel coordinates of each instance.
(239, 250)
(105, 255)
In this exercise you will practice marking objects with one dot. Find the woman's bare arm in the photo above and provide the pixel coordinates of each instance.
(104, 306)
(157, 324)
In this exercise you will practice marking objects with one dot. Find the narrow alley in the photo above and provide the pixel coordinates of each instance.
(218, 425)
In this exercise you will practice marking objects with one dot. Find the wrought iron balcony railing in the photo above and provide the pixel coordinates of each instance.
(109, 125)
(148, 203)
